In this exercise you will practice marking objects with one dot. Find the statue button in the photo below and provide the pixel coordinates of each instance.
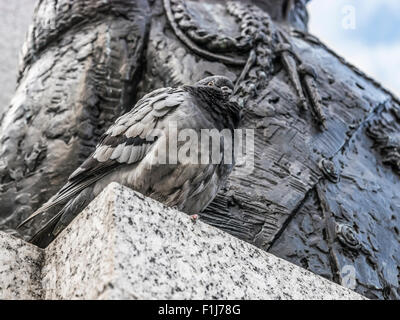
(347, 236)
(329, 170)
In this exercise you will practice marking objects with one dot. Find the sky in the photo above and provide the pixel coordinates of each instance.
(365, 32)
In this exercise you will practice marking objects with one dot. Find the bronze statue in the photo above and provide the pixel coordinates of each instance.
(324, 190)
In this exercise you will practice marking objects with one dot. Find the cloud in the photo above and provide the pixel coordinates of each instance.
(382, 62)
(373, 46)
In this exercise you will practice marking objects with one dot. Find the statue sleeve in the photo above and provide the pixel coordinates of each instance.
(79, 70)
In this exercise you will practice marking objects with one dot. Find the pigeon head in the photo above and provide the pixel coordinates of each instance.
(216, 92)
(218, 82)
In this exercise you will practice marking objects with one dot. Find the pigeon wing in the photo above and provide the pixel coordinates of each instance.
(122, 144)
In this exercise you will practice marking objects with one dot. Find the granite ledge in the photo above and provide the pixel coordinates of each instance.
(127, 246)
(20, 269)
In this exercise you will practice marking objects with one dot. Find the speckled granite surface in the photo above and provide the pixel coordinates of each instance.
(125, 246)
(20, 266)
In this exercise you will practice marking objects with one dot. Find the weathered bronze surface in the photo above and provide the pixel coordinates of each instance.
(324, 193)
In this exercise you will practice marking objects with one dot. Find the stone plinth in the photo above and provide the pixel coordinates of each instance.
(126, 246)
(20, 269)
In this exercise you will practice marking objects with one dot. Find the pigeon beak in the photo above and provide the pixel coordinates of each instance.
(227, 91)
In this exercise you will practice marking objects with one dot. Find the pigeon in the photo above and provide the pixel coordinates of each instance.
(138, 151)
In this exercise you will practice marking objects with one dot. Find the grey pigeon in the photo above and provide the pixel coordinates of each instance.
(128, 151)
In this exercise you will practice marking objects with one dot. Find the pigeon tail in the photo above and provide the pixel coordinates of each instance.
(46, 234)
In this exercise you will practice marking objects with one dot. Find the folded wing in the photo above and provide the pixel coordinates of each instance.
(125, 142)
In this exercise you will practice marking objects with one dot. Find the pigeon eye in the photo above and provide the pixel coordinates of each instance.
(211, 83)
